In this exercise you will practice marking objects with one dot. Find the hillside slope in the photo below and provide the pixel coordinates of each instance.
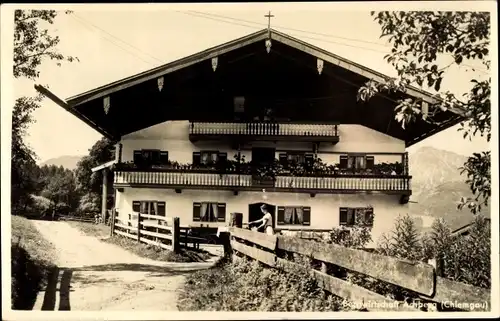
(66, 161)
(438, 186)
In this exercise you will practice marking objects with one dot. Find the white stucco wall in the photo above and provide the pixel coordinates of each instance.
(173, 136)
(324, 207)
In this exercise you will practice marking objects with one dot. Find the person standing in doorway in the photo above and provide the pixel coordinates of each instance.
(266, 221)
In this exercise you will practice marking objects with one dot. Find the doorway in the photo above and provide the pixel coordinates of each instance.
(263, 155)
(254, 212)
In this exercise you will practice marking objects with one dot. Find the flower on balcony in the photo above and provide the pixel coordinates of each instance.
(315, 167)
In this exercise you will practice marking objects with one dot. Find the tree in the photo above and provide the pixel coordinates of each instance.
(60, 188)
(419, 40)
(89, 183)
(31, 45)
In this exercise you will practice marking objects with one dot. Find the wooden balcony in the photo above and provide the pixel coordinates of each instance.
(178, 180)
(264, 131)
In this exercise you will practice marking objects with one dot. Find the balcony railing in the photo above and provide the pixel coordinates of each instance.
(264, 130)
(395, 184)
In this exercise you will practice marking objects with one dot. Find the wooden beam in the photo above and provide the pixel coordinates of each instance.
(255, 253)
(359, 296)
(344, 63)
(415, 276)
(471, 298)
(47, 93)
(104, 196)
(165, 69)
(264, 240)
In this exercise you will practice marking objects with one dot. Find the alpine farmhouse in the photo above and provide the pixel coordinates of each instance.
(266, 118)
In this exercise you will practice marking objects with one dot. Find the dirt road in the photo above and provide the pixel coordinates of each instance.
(94, 275)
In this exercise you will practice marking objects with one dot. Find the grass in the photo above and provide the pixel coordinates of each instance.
(245, 285)
(157, 253)
(91, 229)
(32, 260)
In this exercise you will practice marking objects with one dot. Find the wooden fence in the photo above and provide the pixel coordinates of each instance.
(76, 218)
(419, 278)
(155, 230)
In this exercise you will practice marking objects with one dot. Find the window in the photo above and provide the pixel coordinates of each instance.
(356, 161)
(208, 157)
(296, 157)
(360, 216)
(209, 212)
(294, 215)
(149, 207)
(148, 157)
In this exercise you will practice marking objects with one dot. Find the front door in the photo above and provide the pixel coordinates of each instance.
(254, 212)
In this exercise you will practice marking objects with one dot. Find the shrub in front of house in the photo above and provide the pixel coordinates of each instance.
(246, 285)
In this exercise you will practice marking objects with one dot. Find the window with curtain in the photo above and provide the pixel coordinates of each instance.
(209, 157)
(149, 207)
(359, 216)
(357, 161)
(209, 212)
(294, 215)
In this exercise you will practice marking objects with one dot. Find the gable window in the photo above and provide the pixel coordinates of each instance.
(208, 157)
(149, 207)
(356, 216)
(294, 215)
(356, 161)
(148, 157)
(209, 212)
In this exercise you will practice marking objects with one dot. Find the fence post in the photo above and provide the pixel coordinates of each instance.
(175, 235)
(138, 226)
(113, 218)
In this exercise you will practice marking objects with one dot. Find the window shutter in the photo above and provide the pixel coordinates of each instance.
(137, 157)
(222, 158)
(281, 215)
(196, 212)
(306, 216)
(221, 212)
(282, 158)
(369, 217)
(343, 161)
(196, 158)
(136, 206)
(351, 217)
(370, 161)
(155, 156)
(343, 216)
(161, 209)
(163, 157)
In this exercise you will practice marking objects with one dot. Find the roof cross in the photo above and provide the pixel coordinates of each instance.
(269, 16)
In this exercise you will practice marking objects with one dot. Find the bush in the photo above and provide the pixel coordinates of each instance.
(249, 286)
(466, 258)
(89, 203)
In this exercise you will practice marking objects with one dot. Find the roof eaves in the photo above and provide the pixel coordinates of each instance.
(166, 68)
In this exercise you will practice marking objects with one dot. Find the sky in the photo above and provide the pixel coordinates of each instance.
(118, 42)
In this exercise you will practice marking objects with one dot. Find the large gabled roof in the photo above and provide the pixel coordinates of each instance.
(229, 46)
(81, 100)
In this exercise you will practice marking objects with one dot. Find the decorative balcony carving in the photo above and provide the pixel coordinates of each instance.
(270, 131)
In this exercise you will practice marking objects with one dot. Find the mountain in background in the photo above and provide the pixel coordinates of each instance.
(437, 187)
(68, 162)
